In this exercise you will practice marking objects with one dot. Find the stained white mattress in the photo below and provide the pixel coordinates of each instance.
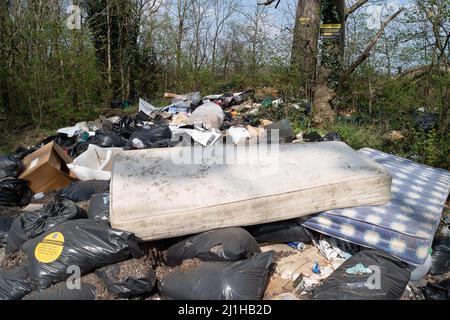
(162, 193)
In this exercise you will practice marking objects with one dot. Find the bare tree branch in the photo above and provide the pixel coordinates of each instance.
(366, 53)
(269, 2)
(354, 7)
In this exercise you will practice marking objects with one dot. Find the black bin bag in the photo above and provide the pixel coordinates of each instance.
(5, 225)
(14, 283)
(32, 224)
(14, 192)
(228, 244)
(61, 291)
(107, 139)
(126, 286)
(79, 191)
(99, 207)
(84, 243)
(280, 232)
(10, 167)
(241, 280)
(387, 281)
(440, 259)
(157, 136)
(437, 291)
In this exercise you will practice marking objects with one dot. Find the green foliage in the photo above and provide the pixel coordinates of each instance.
(430, 147)
(358, 136)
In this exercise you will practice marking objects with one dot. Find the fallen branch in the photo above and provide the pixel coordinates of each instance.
(366, 53)
(420, 71)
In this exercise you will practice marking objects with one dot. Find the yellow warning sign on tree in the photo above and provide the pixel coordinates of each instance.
(331, 26)
(304, 20)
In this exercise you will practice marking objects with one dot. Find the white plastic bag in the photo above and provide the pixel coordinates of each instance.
(208, 116)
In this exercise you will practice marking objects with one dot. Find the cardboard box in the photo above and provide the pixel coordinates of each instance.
(46, 169)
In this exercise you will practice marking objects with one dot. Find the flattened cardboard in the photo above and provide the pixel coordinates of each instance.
(46, 169)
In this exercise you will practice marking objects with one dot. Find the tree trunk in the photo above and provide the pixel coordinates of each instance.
(331, 65)
(109, 42)
(304, 46)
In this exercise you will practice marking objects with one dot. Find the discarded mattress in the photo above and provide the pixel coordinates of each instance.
(162, 193)
(94, 164)
(405, 227)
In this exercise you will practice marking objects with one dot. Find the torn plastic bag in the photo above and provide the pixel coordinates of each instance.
(154, 137)
(387, 281)
(208, 116)
(14, 283)
(83, 191)
(228, 244)
(124, 127)
(32, 224)
(5, 226)
(437, 291)
(14, 192)
(280, 232)
(85, 243)
(60, 292)
(241, 280)
(128, 279)
(99, 207)
(10, 167)
(107, 139)
(440, 258)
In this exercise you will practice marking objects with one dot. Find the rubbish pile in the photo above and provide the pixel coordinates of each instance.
(337, 224)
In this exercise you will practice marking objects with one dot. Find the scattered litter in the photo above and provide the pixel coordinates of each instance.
(358, 269)
(253, 256)
(39, 196)
(316, 268)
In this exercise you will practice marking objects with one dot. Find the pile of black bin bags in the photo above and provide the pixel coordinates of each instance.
(61, 235)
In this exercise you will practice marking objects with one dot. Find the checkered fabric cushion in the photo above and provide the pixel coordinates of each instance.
(406, 226)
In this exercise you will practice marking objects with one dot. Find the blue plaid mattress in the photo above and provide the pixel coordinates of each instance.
(406, 226)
